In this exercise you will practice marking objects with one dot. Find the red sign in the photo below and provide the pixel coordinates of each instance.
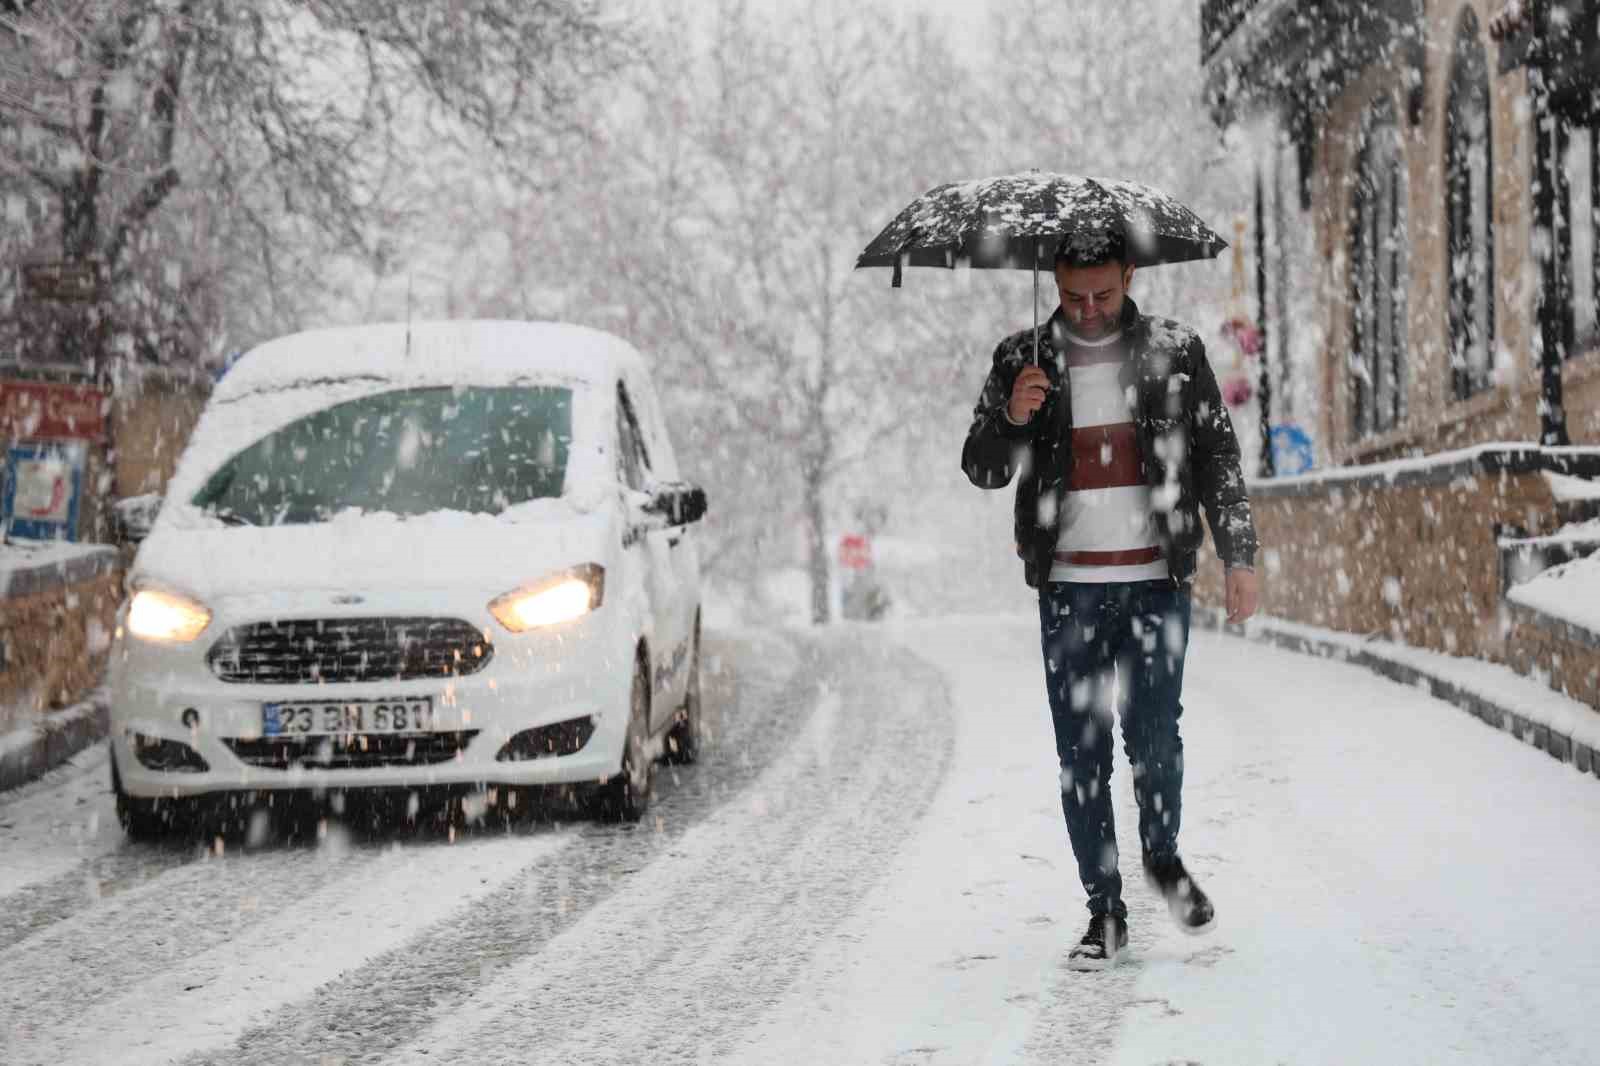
(38, 410)
(855, 552)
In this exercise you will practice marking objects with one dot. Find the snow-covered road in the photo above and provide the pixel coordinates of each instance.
(868, 867)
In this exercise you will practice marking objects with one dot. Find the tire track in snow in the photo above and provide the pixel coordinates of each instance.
(115, 920)
(74, 868)
(127, 919)
(63, 849)
(77, 939)
(758, 693)
(84, 885)
(679, 966)
(212, 995)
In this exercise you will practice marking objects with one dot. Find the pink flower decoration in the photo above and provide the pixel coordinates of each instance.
(1244, 333)
(1236, 391)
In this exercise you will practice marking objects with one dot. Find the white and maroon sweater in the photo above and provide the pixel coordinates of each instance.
(1192, 464)
(1106, 532)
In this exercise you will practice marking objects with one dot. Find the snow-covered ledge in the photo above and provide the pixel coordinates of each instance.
(1441, 468)
(1567, 598)
(31, 567)
(1554, 628)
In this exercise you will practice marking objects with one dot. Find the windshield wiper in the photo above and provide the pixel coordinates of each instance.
(230, 517)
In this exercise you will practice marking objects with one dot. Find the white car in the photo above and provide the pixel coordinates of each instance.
(437, 554)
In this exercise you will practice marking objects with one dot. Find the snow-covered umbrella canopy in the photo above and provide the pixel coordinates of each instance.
(1018, 220)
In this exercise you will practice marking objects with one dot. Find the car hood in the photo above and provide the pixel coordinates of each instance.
(356, 554)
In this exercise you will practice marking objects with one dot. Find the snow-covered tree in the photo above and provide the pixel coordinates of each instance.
(212, 155)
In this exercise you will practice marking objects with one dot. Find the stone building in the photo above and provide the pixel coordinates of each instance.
(1427, 251)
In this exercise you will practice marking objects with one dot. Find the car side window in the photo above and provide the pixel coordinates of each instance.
(634, 460)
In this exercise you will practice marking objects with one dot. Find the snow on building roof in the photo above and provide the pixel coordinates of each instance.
(436, 352)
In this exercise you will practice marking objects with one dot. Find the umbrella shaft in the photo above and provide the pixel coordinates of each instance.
(1035, 305)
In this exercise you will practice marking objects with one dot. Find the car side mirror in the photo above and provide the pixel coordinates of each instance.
(133, 518)
(677, 504)
(668, 506)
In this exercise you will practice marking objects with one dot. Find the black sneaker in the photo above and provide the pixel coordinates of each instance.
(1190, 907)
(1100, 946)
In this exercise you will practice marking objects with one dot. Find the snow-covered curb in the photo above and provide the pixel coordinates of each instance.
(39, 747)
(1559, 725)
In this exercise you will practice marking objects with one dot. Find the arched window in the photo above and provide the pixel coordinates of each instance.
(1577, 226)
(1380, 269)
(1469, 177)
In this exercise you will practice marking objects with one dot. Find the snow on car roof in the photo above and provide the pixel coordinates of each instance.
(438, 352)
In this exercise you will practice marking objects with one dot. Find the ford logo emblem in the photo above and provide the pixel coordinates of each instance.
(349, 598)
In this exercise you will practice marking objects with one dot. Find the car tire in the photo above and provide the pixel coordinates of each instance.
(625, 795)
(687, 737)
(148, 819)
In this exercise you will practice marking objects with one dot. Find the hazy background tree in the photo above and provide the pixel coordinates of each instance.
(217, 156)
(699, 183)
(711, 211)
(713, 214)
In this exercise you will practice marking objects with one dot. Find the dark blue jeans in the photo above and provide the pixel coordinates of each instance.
(1096, 636)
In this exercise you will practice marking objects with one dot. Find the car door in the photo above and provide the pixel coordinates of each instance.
(654, 556)
(683, 543)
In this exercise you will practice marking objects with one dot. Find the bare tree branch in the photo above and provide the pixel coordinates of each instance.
(164, 109)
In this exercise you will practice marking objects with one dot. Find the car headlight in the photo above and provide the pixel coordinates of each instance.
(166, 617)
(559, 598)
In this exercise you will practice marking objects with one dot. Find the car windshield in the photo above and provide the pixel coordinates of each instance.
(408, 452)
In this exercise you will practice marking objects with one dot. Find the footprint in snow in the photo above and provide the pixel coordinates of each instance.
(967, 962)
(1209, 957)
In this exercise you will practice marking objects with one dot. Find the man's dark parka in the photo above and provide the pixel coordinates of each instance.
(1187, 446)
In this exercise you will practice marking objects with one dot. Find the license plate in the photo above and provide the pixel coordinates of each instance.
(315, 718)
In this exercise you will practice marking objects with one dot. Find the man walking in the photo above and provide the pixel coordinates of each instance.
(1119, 438)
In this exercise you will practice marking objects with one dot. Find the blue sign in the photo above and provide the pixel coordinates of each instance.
(43, 488)
(1292, 451)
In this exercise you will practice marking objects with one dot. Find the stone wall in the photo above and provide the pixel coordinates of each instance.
(56, 623)
(1409, 550)
(1564, 655)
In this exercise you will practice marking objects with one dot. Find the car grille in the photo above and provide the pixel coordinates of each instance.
(352, 751)
(330, 650)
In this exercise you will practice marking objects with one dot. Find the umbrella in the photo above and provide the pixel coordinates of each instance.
(1012, 222)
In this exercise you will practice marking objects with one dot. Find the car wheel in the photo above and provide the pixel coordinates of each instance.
(687, 735)
(625, 796)
(147, 819)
